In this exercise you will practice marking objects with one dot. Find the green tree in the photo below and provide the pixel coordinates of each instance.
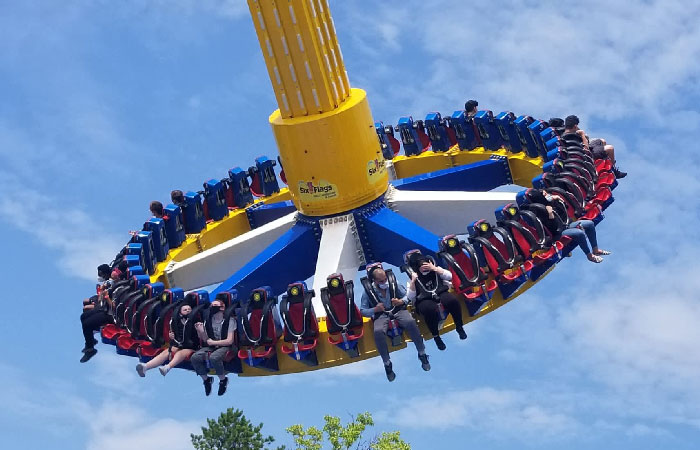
(231, 431)
(342, 437)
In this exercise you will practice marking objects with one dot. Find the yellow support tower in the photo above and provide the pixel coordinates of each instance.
(323, 127)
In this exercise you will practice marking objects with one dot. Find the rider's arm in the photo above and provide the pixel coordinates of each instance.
(445, 274)
(410, 291)
(366, 310)
(401, 293)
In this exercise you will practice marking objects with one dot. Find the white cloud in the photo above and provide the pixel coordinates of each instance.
(504, 413)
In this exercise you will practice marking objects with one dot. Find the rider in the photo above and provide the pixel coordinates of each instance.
(384, 299)
(97, 311)
(218, 336)
(428, 287)
(182, 345)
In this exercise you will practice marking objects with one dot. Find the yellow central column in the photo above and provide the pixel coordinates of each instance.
(323, 127)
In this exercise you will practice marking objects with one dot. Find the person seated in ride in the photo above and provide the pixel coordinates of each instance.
(97, 311)
(429, 286)
(577, 230)
(218, 337)
(380, 316)
(156, 208)
(598, 147)
(177, 197)
(471, 108)
(181, 346)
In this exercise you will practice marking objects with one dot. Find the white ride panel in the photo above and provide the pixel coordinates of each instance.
(340, 252)
(217, 264)
(447, 212)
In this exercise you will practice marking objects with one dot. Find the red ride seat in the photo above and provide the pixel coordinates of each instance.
(468, 278)
(259, 332)
(299, 319)
(343, 318)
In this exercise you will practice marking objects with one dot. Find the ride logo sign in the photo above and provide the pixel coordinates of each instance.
(323, 190)
(375, 170)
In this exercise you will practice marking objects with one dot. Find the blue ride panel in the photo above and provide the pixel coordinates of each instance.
(408, 131)
(160, 239)
(134, 270)
(480, 176)
(193, 213)
(553, 143)
(505, 122)
(385, 236)
(141, 280)
(135, 249)
(263, 176)
(145, 238)
(466, 135)
(174, 226)
(291, 257)
(215, 197)
(262, 213)
(437, 132)
(536, 128)
(548, 133)
(239, 189)
(152, 290)
(490, 136)
(522, 123)
(390, 145)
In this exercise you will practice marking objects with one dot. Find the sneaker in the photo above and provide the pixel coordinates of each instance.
(164, 370)
(424, 362)
(462, 334)
(390, 375)
(440, 344)
(222, 386)
(86, 348)
(89, 353)
(207, 385)
(618, 173)
(141, 370)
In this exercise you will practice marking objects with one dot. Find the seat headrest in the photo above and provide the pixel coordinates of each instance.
(335, 284)
(449, 244)
(296, 291)
(228, 297)
(198, 297)
(258, 297)
(370, 268)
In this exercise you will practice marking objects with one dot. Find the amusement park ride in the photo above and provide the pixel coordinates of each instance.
(352, 200)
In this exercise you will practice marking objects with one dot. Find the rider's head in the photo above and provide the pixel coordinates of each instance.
(379, 276)
(185, 310)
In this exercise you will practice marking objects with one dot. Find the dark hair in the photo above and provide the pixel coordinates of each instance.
(373, 271)
(156, 208)
(570, 122)
(177, 196)
(471, 104)
(104, 271)
(556, 122)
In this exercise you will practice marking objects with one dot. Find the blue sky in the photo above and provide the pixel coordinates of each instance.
(108, 105)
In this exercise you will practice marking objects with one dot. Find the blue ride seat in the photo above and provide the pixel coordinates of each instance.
(441, 136)
(135, 249)
(489, 133)
(465, 131)
(263, 178)
(510, 136)
(193, 212)
(161, 247)
(300, 324)
(132, 271)
(343, 317)
(394, 331)
(145, 238)
(174, 225)
(260, 329)
(238, 194)
(415, 140)
(536, 128)
(390, 145)
(215, 207)
(523, 123)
